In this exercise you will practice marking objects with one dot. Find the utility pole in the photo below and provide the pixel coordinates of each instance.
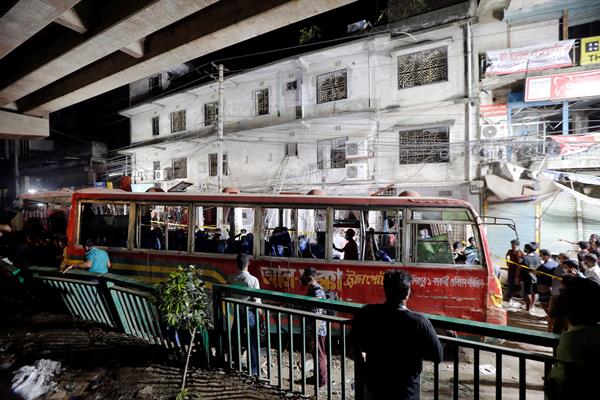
(220, 133)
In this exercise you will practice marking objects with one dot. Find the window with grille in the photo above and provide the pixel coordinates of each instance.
(155, 126)
(337, 153)
(422, 146)
(155, 165)
(423, 67)
(262, 101)
(212, 164)
(332, 86)
(180, 168)
(211, 113)
(291, 86)
(291, 149)
(178, 121)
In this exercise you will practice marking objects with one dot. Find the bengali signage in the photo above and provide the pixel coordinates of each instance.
(563, 86)
(590, 50)
(530, 58)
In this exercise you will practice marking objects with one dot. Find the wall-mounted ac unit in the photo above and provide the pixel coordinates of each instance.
(159, 175)
(357, 149)
(355, 172)
(494, 131)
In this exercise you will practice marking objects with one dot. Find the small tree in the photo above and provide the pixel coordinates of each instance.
(183, 302)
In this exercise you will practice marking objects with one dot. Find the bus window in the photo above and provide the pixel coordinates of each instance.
(224, 230)
(105, 223)
(312, 230)
(278, 234)
(347, 234)
(151, 230)
(443, 241)
(177, 218)
(383, 235)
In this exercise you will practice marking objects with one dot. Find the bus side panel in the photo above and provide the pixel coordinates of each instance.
(454, 292)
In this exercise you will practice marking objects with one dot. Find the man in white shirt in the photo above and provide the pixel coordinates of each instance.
(247, 315)
(590, 265)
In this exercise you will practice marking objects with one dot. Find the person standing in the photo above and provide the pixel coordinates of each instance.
(515, 256)
(350, 249)
(316, 290)
(392, 342)
(557, 324)
(591, 270)
(528, 277)
(248, 321)
(96, 260)
(544, 279)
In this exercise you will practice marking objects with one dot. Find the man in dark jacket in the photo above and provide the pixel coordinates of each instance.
(393, 341)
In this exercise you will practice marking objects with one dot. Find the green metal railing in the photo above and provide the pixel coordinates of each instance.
(288, 329)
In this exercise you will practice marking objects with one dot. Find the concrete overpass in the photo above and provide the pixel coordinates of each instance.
(55, 53)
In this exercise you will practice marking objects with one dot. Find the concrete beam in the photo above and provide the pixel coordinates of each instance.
(219, 26)
(15, 126)
(70, 19)
(135, 49)
(26, 18)
(121, 24)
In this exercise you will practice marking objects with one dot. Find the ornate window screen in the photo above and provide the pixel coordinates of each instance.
(156, 165)
(423, 67)
(178, 121)
(211, 113)
(332, 86)
(262, 102)
(180, 168)
(337, 153)
(423, 146)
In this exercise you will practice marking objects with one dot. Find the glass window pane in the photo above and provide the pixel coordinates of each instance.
(151, 231)
(105, 223)
(347, 234)
(279, 233)
(383, 237)
(177, 227)
(446, 244)
(312, 231)
(224, 230)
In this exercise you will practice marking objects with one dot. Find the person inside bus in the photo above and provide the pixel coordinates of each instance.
(350, 249)
(96, 260)
(458, 252)
(370, 245)
(472, 252)
(393, 341)
(280, 242)
(304, 250)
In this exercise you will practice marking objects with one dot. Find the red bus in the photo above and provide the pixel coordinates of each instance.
(147, 235)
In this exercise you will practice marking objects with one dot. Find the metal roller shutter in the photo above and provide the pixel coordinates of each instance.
(499, 237)
(559, 221)
(591, 220)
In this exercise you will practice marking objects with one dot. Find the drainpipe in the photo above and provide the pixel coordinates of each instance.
(468, 119)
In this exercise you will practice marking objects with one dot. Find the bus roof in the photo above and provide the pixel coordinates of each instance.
(277, 199)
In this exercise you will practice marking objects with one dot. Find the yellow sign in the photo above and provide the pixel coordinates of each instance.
(590, 50)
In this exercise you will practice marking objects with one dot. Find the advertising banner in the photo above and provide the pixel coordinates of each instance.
(590, 51)
(563, 86)
(530, 58)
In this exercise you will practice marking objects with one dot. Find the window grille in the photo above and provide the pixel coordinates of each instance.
(291, 149)
(422, 146)
(212, 164)
(262, 102)
(155, 84)
(337, 153)
(423, 67)
(155, 165)
(178, 121)
(180, 168)
(155, 126)
(211, 113)
(332, 86)
(291, 86)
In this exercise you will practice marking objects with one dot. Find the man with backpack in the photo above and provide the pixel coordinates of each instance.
(316, 290)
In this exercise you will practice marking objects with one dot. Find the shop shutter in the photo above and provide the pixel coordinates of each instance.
(591, 220)
(499, 236)
(559, 221)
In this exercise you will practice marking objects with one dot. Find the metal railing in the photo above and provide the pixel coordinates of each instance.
(284, 333)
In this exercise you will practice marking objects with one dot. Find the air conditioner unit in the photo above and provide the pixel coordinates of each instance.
(159, 175)
(356, 172)
(357, 149)
(494, 131)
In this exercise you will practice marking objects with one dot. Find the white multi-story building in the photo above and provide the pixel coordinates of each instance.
(386, 110)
